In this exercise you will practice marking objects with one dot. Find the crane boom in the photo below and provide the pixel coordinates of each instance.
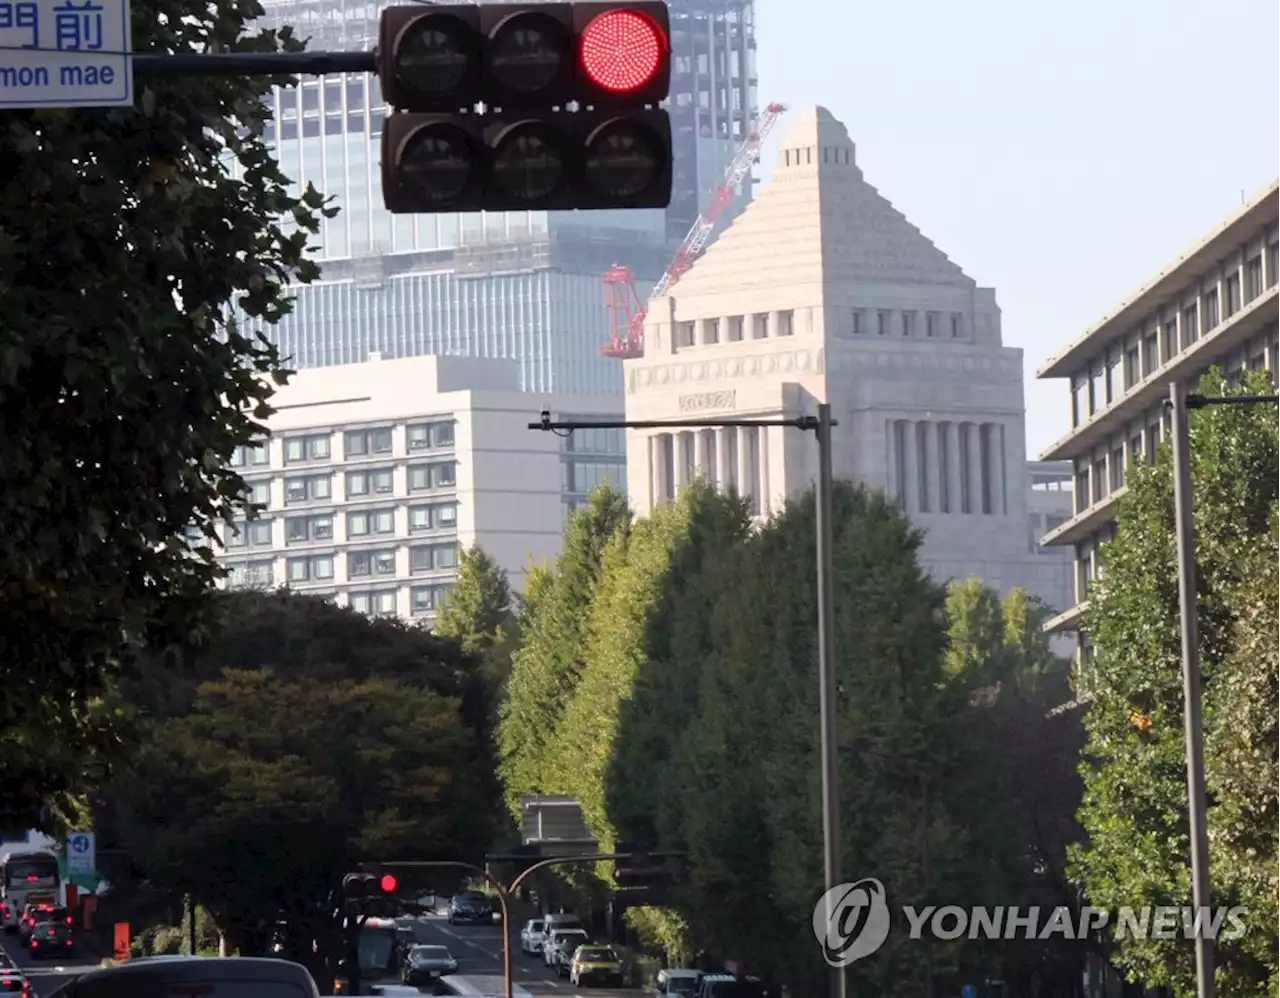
(630, 343)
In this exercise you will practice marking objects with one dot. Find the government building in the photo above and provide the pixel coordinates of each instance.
(1214, 306)
(822, 291)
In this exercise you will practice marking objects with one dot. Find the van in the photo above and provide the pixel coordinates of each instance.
(564, 920)
(206, 976)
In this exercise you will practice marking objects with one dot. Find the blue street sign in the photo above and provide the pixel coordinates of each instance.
(81, 858)
(65, 53)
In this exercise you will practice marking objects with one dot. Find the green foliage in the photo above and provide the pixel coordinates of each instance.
(480, 616)
(545, 669)
(125, 236)
(1135, 809)
(305, 739)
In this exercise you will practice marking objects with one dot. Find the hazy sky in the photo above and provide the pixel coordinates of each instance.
(1062, 154)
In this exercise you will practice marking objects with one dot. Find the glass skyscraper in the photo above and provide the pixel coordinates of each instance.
(519, 285)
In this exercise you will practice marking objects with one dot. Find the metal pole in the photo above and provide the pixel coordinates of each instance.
(825, 504)
(191, 929)
(1191, 692)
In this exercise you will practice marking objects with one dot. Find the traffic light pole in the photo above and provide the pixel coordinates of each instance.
(506, 893)
(253, 64)
(824, 501)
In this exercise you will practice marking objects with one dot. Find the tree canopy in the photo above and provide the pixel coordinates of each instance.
(306, 739)
(1135, 810)
(690, 723)
(126, 236)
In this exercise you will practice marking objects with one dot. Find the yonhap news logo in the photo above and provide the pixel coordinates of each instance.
(852, 921)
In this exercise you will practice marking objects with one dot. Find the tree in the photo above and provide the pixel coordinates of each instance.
(545, 669)
(126, 235)
(255, 787)
(479, 614)
(1135, 807)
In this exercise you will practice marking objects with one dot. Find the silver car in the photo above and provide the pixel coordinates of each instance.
(532, 936)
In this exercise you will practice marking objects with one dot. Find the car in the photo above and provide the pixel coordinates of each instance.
(424, 965)
(679, 981)
(558, 938)
(206, 976)
(472, 908)
(595, 965)
(532, 936)
(50, 938)
(13, 981)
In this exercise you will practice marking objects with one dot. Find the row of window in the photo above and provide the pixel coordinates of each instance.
(320, 527)
(357, 484)
(423, 600)
(760, 326)
(587, 476)
(362, 564)
(301, 448)
(936, 324)
(1125, 366)
(595, 441)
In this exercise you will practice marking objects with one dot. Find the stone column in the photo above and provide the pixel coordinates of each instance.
(954, 459)
(891, 459)
(933, 470)
(724, 459)
(763, 436)
(655, 470)
(911, 464)
(746, 467)
(700, 454)
(973, 461)
(995, 455)
(681, 448)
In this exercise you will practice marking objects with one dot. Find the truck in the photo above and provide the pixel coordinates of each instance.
(29, 874)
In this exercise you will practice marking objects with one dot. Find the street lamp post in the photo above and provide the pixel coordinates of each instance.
(1179, 403)
(824, 501)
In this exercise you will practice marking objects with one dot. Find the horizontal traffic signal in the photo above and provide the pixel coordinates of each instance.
(512, 57)
(510, 162)
(359, 886)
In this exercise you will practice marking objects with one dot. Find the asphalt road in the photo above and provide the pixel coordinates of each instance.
(46, 975)
(478, 950)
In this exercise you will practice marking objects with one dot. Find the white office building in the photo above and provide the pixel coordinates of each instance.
(375, 474)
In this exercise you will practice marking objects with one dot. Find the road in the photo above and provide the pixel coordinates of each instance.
(46, 975)
(478, 950)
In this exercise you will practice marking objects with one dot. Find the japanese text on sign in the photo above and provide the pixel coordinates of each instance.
(64, 53)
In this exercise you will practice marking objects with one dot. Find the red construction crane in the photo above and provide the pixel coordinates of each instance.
(626, 311)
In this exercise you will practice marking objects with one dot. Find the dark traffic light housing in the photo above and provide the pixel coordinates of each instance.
(569, 94)
(369, 893)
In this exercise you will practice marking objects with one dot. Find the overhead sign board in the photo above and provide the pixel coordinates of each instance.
(81, 853)
(64, 53)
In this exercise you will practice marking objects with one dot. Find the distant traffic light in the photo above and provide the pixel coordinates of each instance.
(369, 893)
(528, 65)
(640, 879)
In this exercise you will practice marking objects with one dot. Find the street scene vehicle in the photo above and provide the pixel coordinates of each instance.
(28, 875)
(206, 977)
(595, 965)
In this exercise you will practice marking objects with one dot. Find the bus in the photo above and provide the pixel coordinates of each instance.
(28, 875)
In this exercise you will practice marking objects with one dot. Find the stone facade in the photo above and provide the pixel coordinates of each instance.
(822, 291)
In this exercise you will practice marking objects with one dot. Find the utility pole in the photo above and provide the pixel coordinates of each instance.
(824, 502)
(191, 923)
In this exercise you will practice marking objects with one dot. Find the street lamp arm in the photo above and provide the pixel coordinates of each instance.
(1201, 401)
(546, 423)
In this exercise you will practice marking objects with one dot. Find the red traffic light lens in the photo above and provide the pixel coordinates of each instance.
(621, 50)
(388, 883)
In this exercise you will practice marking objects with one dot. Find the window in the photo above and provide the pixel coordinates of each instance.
(318, 568)
(301, 529)
(249, 533)
(908, 323)
(1273, 260)
(1169, 338)
(1082, 489)
(366, 443)
(1084, 571)
(1136, 454)
(433, 558)
(1115, 384)
(365, 563)
(1116, 462)
(363, 483)
(1253, 278)
(786, 323)
(1150, 354)
(428, 599)
(311, 489)
(374, 521)
(1231, 292)
(1097, 388)
(857, 322)
(374, 604)
(735, 329)
(759, 326)
(251, 574)
(254, 455)
(1153, 441)
(684, 334)
(1099, 479)
(957, 325)
(258, 493)
(1132, 367)
(438, 516)
(1209, 307)
(1191, 325)
(432, 476)
(596, 441)
(1079, 400)
(424, 436)
(310, 448)
(710, 330)
(882, 322)
(587, 476)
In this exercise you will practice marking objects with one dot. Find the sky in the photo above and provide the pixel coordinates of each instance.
(1060, 153)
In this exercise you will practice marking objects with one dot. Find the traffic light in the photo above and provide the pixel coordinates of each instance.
(369, 893)
(641, 880)
(569, 93)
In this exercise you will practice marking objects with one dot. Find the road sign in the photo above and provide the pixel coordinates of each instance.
(81, 853)
(65, 53)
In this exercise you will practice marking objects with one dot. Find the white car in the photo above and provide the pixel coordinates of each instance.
(532, 936)
(561, 939)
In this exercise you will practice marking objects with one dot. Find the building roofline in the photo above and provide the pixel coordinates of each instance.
(1260, 208)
